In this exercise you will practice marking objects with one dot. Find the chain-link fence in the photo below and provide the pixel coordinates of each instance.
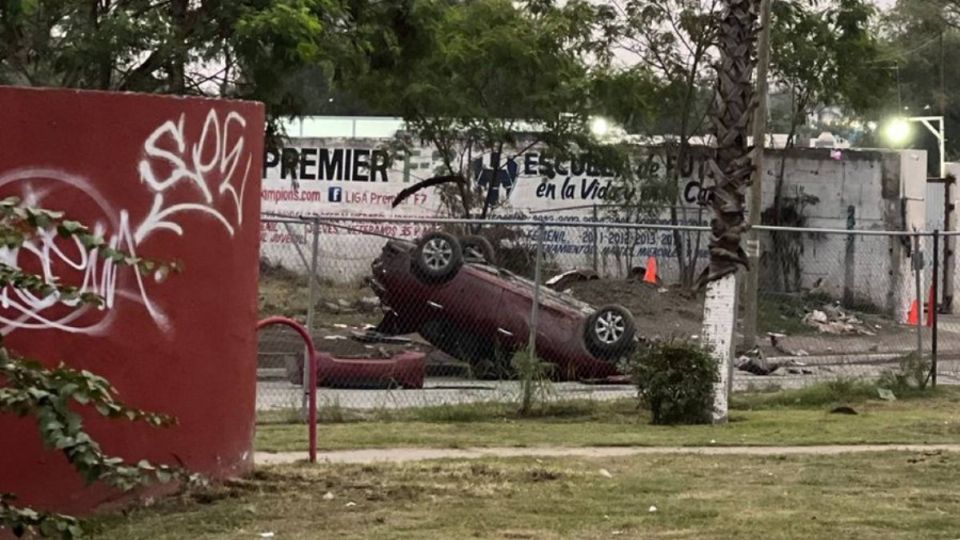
(412, 314)
(844, 304)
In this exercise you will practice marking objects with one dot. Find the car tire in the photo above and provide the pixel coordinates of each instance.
(478, 247)
(609, 332)
(438, 256)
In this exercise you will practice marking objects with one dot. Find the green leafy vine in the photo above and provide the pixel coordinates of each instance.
(51, 395)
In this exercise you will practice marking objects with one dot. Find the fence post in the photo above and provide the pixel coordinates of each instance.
(933, 307)
(596, 241)
(535, 309)
(296, 246)
(917, 269)
(311, 307)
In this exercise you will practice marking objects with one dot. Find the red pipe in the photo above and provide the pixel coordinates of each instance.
(312, 376)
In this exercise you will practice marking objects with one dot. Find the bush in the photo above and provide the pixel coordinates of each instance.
(534, 375)
(914, 374)
(675, 381)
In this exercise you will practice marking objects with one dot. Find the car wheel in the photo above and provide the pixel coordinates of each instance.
(478, 247)
(438, 256)
(610, 331)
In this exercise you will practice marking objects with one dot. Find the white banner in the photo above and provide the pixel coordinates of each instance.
(353, 177)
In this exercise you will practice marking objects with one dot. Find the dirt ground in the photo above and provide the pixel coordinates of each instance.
(659, 312)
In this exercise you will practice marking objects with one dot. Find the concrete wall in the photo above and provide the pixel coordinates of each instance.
(167, 178)
(860, 189)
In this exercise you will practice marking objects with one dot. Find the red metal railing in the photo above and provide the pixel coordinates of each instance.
(311, 377)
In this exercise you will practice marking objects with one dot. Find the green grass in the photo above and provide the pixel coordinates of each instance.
(877, 496)
(838, 391)
(799, 417)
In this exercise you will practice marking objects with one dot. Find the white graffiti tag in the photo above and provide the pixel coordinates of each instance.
(180, 177)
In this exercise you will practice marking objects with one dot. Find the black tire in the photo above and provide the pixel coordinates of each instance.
(438, 256)
(478, 247)
(609, 332)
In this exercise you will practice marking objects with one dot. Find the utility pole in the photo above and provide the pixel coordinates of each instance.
(949, 194)
(755, 201)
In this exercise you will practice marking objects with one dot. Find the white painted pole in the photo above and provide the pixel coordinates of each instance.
(719, 331)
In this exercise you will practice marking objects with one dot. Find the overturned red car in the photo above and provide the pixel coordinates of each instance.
(448, 290)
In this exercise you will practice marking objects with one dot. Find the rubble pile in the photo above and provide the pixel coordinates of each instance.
(832, 319)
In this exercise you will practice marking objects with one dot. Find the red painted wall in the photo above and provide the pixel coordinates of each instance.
(167, 178)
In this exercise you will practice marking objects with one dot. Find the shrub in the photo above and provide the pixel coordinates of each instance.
(675, 382)
(913, 375)
(534, 375)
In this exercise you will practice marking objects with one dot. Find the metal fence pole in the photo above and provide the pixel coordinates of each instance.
(296, 246)
(311, 308)
(933, 307)
(596, 242)
(534, 310)
(918, 267)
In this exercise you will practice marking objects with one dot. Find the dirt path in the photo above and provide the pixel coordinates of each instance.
(400, 455)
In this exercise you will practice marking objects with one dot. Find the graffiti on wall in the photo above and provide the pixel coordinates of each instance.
(179, 176)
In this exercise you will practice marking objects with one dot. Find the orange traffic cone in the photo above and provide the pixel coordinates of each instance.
(913, 317)
(650, 276)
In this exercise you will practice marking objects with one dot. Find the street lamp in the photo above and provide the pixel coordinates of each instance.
(898, 130)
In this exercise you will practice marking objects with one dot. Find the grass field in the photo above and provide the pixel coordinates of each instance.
(799, 417)
(858, 495)
(887, 495)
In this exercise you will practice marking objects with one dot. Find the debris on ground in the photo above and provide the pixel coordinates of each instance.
(843, 409)
(372, 336)
(832, 319)
(886, 395)
(776, 341)
(366, 304)
(562, 282)
(756, 363)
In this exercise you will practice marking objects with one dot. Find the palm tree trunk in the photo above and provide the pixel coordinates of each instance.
(730, 168)
(732, 164)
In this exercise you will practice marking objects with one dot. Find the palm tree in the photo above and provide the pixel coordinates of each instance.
(730, 168)
(731, 116)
